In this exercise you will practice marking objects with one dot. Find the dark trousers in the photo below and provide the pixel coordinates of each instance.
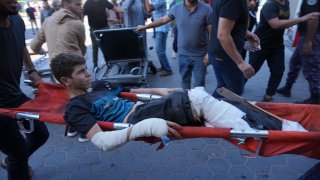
(275, 61)
(17, 148)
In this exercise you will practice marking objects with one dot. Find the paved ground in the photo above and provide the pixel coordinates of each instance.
(65, 158)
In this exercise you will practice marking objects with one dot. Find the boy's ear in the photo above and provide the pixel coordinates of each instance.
(65, 81)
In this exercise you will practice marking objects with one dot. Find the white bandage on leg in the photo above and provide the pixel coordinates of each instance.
(217, 113)
(112, 139)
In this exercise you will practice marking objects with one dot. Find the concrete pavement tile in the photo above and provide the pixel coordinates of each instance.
(161, 157)
(45, 172)
(214, 150)
(197, 157)
(179, 165)
(97, 177)
(123, 159)
(194, 144)
(259, 165)
(137, 176)
(60, 176)
(68, 165)
(119, 172)
(227, 145)
(211, 140)
(299, 164)
(218, 165)
(200, 172)
(89, 158)
(82, 172)
(178, 150)
(159, 171)
(139, 165)
(234, 157)
(241, 172)
(222, 177)
(279, 172)
(76, 151)
(55, 158)
(179, 176)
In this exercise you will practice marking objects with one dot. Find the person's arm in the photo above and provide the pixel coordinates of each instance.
(82, 38)
(225, 27)
(149, 7)
(158, 91)
(163, 20)
(277, 23)
(37, 42)
(33, 74)
(312, 26)
(206, 57)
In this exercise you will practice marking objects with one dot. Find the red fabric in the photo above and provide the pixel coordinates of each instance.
(51, 100)
(296, 39)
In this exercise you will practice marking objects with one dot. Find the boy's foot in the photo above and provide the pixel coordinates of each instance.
(71, 132)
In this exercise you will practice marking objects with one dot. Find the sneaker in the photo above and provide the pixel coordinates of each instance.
(284, 91)
(71, 132)
(266, 98)
(83, 138)
(165, 73)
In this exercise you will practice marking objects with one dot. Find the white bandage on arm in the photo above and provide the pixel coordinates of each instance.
(109, 140)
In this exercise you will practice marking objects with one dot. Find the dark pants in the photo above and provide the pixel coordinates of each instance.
(95, 47)
(275, 60)
(17, 148)
(175, 40)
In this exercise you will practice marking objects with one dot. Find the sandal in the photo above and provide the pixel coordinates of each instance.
(4, 165)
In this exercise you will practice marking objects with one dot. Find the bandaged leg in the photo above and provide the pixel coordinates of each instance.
(109, 140)
(216, 112)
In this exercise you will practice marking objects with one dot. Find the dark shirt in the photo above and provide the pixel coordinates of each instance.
(96, 12)
(102, 104)
(308, 6)
(12, 44)
(30, 11)
(269, 37)
(235, 10)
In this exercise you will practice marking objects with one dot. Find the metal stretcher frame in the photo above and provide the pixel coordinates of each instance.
(124, 51)
(263, 143)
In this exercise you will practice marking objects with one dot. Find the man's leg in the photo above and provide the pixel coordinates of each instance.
(161, 41)
(95, 49)
(185, 71)
(38, 137)
(15, 147)
(276, 66)
(294, 69)
(199, 71)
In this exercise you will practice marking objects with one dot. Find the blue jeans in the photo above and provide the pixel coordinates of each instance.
(228, 75)
(161, 43)
(189, 65)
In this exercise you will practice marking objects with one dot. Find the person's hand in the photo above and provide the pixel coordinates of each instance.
(246, 69)
(141, 28)
(314, 15)
(35, 78)
(172, 129)
(166, 91)
(206, 60)
(307, 48)
(253, 39)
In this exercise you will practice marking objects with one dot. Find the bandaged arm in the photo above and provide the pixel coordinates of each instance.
(109, 140)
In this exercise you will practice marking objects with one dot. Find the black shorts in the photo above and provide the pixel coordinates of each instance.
(175, 107)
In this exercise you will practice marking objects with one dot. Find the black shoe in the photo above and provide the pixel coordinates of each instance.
(308, 101)
(285, 91)
(266, 98)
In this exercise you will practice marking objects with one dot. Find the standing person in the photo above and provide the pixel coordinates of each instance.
(193, 20)
(46, 11)
(230, 19)
(308, 51)
(63, 31)
(274, 19)
(134, 13)
(32, 17)
(13, 55)
(56, 5)
(96, 12)
(114, 18)
(159, 9)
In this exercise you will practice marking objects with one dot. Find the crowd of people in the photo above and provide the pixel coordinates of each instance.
(206, 32)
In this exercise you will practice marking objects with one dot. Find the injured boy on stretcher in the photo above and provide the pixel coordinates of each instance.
(100, 101)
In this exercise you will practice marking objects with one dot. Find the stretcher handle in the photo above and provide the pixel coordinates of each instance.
(26, 117)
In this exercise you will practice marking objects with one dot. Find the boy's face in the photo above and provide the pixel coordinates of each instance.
(80, 78)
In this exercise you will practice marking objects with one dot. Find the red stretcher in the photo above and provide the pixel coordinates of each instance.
(51, 99)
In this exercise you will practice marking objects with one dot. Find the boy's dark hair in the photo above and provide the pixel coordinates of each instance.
(63, 64)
